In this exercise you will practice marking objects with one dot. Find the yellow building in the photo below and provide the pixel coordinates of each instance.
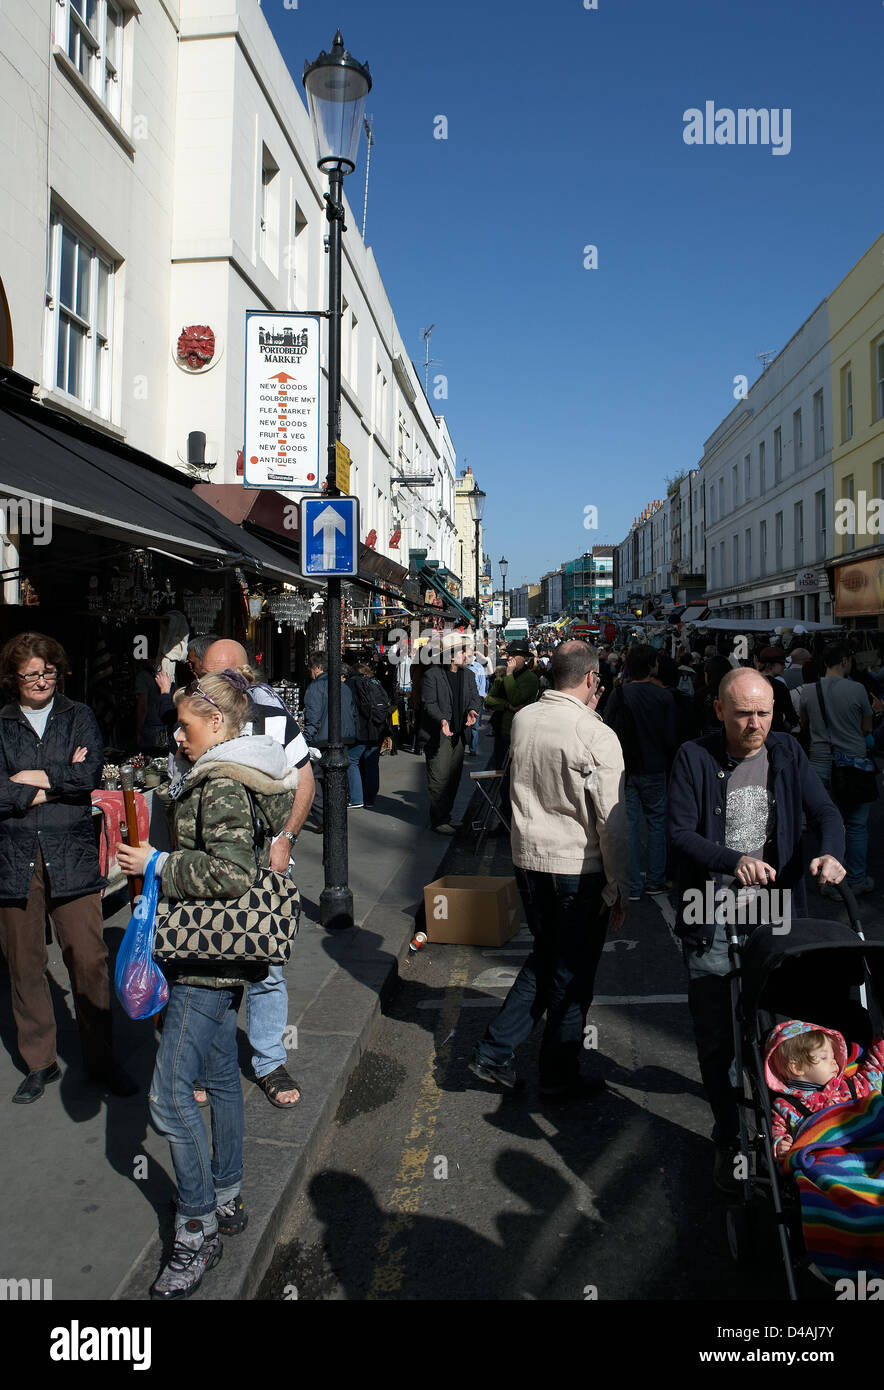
(856, 330)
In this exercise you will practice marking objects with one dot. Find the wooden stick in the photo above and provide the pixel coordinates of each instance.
(127, 782)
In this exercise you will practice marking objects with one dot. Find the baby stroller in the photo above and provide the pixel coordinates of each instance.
(824, 972)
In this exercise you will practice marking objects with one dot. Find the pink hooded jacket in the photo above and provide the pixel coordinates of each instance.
(858, 1075)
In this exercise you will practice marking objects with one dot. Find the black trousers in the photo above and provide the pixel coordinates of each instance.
(444, 768)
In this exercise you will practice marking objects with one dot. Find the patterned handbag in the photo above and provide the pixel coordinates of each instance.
(258, 927)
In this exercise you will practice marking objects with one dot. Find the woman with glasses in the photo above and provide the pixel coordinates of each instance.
(214, 857)
(51, 757)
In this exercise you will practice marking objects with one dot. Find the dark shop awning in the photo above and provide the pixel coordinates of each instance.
(109, 489)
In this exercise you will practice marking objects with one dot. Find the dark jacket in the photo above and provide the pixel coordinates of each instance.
(61, 828)
(696, 819)
(642, 716)
(315, 721)
(437, 703)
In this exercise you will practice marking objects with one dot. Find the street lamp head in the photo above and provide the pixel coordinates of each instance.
(503, 565)
(336, 86)
(477, 503)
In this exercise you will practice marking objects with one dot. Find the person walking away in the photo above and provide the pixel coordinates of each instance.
(570, 843)
(214, 857)
(316, 733)
(267, 1001)
(51, 757)
(449, 708)
(373, 712)
(643, 717)
(737, 799)
(838, 713)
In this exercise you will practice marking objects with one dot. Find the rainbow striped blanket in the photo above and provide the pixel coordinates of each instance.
(837, 1160)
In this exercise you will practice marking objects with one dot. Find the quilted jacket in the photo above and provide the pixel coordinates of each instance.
(212, 833)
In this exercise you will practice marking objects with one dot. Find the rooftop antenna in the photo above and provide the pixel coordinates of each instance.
(369, 135)
(765, 357)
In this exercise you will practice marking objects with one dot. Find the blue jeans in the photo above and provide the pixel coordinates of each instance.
(267, 1013)
(354, 780)
(370, 772)
(473, 733)
(646, 796)
(199, 1040)
(856, 834)
(557, 978)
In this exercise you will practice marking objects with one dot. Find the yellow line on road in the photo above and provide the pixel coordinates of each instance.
(404, 1201)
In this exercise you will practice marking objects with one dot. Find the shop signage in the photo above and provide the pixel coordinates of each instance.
(807, 579)
(497, 612)
(282, 402)
(342, 464)
(859, 588)
(329, 536)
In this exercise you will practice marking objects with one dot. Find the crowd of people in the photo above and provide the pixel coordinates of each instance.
(626, 772)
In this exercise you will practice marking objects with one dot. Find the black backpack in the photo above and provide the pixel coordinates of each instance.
(373, 708)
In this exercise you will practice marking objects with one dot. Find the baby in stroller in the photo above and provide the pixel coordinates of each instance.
(808, 1069)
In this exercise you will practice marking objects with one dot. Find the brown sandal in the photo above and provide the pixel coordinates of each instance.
(276, 1081)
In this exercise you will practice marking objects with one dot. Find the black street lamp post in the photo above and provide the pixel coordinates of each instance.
(504, 566)
(477, 507)
(336, 86)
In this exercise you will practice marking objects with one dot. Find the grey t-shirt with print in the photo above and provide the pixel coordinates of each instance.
(750, 824)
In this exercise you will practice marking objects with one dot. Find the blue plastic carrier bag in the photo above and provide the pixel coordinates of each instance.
(141, 986)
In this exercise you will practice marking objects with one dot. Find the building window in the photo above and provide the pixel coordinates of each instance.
(779, 608)
(778, 455)
(819, 523)
(879, 377)
(847, 492)
(819, 426)
(797, 439)
(298, 258)
(81, 319)
(798, 606)
(799, 533)
(268, 244)
(91, 33)
(747, 555)
(721, 563)
(778, 541)
(736, 486)
(846, 404)
(747, 477)
(736, 559)
(720, 498)
(765, 610)
(762, 547)
(762, 480)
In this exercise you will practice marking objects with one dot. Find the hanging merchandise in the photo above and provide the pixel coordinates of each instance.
(202, 609)
(290, 609)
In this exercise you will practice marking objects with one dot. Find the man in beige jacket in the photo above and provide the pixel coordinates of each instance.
(570, 842)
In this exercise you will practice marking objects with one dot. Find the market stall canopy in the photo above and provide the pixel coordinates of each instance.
(763, 625)
(456, 608)
(99, 486)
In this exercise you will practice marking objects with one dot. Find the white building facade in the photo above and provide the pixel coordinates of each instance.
(767, 483)
(159, 181)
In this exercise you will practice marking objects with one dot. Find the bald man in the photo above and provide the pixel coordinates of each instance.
(736, 802)
(267, 1004)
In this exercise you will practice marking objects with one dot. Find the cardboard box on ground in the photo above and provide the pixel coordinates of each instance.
(472, 910)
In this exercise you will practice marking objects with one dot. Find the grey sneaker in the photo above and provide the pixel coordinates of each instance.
(194, 1252)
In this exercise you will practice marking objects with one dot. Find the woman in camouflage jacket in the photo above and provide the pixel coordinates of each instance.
(214, 857)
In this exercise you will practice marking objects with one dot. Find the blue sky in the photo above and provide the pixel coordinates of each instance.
(567, 386)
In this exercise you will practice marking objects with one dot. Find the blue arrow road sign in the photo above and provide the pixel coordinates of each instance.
(329, 536)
